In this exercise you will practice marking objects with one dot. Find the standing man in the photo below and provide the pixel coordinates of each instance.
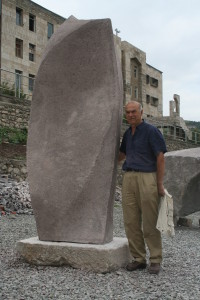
(143, 147)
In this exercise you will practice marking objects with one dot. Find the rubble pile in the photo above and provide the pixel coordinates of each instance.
(14, 197)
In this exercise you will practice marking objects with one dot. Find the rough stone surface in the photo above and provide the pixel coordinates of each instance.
(192, 220)
(74, 134)
(14, 197)
(182, 180)
(98, 258)
(14, 168)
(14, 113)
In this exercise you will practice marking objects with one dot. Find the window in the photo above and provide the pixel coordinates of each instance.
(31, 52)
(19, 16)
(147, 99)
(154, 82)
(32, 22)
(19, 48)
(18, 83)
(154, 101)
(147, 79)
(31, 81)
(49, 30)
(135, 71)
(136, 92)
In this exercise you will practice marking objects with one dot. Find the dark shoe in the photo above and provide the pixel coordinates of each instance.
(154, 268)
(135, 265)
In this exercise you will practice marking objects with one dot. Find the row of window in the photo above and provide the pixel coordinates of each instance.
(152, 81)
(19, 49)
(32, 22)
(152, 100)
(19, 79)
(149, 99)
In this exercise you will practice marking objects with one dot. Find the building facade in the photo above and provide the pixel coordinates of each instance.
(142, 82)
(26, 28)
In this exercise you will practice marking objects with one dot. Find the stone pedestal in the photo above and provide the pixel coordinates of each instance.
(98, 258)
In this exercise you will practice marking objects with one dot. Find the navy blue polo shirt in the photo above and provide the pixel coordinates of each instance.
(142, 148)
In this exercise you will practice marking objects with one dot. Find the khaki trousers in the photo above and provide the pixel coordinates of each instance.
(140, 202)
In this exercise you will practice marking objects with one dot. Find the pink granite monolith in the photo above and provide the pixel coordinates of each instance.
(74, 134)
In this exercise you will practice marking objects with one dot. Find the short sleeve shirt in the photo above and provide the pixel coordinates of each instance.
(142, 148)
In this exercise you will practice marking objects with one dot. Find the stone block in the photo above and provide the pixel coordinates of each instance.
(74, 134)
(182, 180)
(192, 220)
(97, 258)
(184, 222)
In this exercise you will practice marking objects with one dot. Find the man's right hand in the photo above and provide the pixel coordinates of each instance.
(121, 156)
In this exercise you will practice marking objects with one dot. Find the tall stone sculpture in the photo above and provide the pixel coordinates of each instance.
(74, 134)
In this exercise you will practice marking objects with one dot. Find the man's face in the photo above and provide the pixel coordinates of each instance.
(133, 114)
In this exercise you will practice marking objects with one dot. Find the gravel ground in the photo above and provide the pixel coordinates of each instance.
(178, 279)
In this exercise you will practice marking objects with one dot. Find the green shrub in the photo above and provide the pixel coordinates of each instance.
(13, 135)
(7, 90)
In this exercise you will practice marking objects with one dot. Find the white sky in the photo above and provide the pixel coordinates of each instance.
(167, 30)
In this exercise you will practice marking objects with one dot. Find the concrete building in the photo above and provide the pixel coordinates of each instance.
(25, 28)
(142, 82)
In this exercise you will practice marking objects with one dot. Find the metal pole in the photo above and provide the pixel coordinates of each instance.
(19, 86)
(195, 137)
(174, 132)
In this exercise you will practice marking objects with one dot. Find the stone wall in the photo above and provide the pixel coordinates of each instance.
(15, 169)
(14, 113)
(174, 145)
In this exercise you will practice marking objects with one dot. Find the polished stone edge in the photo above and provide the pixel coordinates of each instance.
(98, 258)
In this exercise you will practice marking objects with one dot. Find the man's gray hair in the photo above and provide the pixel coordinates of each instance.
(139, 104)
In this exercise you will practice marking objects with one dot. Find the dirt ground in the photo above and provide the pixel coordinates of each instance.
(13, 151)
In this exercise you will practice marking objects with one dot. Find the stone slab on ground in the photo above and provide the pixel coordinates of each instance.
(192, 220)
(98, 258)
(182, 180)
